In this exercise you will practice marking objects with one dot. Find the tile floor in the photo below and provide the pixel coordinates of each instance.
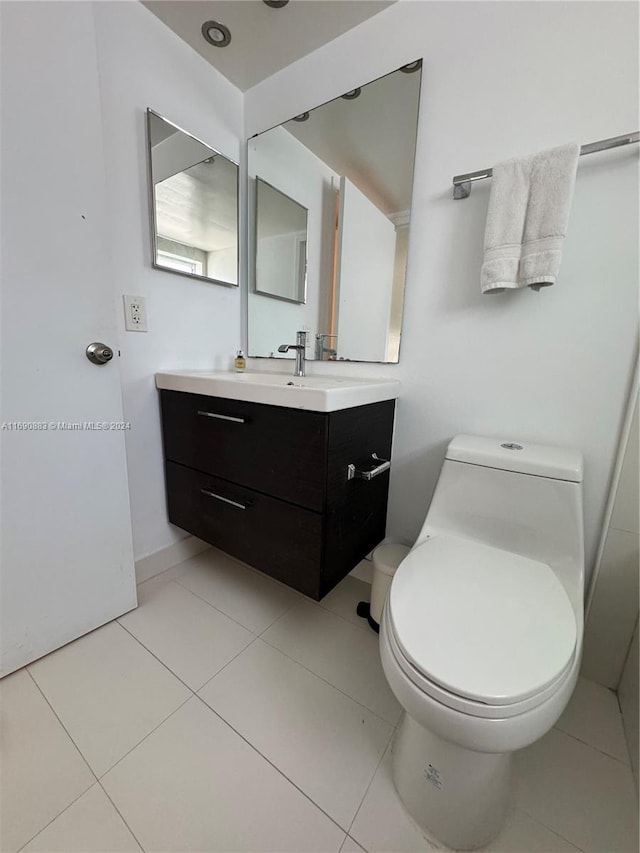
(229, 713)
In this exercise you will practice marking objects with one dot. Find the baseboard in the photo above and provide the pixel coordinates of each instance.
(167, 558)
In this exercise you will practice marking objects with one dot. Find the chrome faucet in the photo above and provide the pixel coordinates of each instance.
(323, 350)
(300, 347)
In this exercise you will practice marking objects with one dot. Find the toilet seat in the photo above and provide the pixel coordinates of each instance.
(482, 630)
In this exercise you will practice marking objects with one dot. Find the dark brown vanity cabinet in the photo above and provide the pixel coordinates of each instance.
(270, 484)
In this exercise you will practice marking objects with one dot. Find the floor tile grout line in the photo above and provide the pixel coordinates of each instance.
(326, 681)
(153, 655)
(254, 637)
(550, 828)
(228, 663)
(102, 775)
(364, 796)
(95, 775)
(255, 571)
(624, 731)
(98, 780)
(281, 616)
(155, 728)
(263, 575)
(363, 627)
(593, 747)
(194, 693)
(386, 745)
(122, 817)
(213, 607)
(54, 819)
(339, 616)
(344, 619)
(301, 597)
(219, 610)
(196, 595)
(270, 762)
(76, 747)
(363, 624)
(304, 598)
(260, 574)
(246, 739)
(55, 713)
(556, 833)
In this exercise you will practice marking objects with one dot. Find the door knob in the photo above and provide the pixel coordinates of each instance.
(98, 353)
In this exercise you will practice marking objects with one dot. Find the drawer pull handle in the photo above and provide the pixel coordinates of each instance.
(224, 500)
(222, 417)
(354, 473)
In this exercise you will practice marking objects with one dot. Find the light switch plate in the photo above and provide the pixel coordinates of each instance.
(135, 313)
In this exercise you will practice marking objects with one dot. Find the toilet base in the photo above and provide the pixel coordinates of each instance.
(457, 795)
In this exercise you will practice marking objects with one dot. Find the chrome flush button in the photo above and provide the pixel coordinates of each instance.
(510, 445)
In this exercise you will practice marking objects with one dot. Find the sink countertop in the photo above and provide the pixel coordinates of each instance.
(312, 393)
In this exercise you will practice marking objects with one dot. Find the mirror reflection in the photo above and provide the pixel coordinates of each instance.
(194, 204)
(349, 165)
(281, 244)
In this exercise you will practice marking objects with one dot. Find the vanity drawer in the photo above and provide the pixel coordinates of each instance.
(282, 540)
(278, 451)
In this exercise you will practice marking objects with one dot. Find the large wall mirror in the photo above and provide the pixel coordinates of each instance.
(194, 204)
(330, 205)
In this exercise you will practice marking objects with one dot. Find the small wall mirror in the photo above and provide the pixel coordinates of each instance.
(281, 245)
(348, 164)
(194, 204)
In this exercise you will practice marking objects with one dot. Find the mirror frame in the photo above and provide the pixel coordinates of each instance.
(152, 204)
(258, 180)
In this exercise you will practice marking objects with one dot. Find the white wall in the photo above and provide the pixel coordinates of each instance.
(499, 80)
(192, 324)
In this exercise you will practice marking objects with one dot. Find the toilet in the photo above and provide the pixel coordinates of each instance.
(481, 633)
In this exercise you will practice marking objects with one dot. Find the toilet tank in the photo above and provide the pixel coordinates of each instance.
(521, 497)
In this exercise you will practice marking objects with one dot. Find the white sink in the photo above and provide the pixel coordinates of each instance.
(313, 393)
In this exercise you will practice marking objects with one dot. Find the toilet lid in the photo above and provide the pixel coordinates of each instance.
(483, 623)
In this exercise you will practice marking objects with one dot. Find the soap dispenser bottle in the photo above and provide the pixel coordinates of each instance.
(239, 362)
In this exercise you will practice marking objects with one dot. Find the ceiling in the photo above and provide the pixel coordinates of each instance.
(263, 39)
(371, 139)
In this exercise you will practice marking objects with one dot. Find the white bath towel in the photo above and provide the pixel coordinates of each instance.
(527, 219)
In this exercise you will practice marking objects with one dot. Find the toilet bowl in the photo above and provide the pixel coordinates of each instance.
(481, 634)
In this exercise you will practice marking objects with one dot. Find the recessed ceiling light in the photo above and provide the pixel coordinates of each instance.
(352, 95)
(216, 33)
(276, 4)
(410, 67)
(301, 117)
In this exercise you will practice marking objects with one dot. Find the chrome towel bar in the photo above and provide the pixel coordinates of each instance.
(462, 183)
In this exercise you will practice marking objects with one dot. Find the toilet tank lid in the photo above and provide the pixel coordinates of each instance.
(523, 457)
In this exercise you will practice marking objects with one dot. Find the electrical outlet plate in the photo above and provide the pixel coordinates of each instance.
(135, 313)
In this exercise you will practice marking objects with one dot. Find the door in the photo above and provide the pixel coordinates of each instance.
(66, 552)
